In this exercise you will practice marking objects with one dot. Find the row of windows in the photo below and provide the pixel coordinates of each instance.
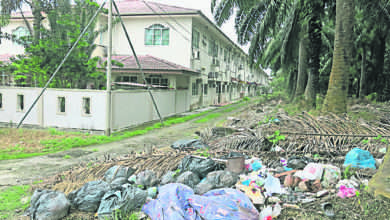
(61, 104)
(157, 81)
(219, 89)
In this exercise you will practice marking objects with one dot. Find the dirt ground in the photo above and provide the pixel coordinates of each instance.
(26, 171)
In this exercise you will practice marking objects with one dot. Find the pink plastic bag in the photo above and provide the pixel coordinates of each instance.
(346, 192)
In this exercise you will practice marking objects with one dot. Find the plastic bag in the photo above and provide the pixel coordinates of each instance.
(127, 200)
(147, 179)
(272, 185)
(88, 197)
(46, 204)
(188, 178)
(270, 213)
(331, 175)
(359, 158)
(196, 165)
(188, 144)
(345, 192)
(215, 180)
(312, 171)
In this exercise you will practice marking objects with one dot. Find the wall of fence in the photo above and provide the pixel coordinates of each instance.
(131, 108)
(86, 109)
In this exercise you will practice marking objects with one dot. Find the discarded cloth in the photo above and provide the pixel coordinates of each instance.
(178, 201)
(345, 192)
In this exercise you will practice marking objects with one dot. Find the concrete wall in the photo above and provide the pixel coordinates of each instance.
(135, 107)
(74, 116)
(46, 112)
(9, 112)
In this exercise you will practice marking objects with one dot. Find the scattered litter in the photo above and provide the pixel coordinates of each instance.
(331, 175)
(253, 164)
(359, 158)
(169, 177)
(253, 193)
(269, 213)
(348, 183)
(383, 150)
(328, 209)
(118, 172)
(272, 185)
(345, 192)
(88, 197)
(47, 204)
(312, 171)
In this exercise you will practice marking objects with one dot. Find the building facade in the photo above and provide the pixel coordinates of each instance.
(185, 57)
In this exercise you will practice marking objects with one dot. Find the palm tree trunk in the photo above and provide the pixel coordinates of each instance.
(336, 97)
(363, 76)
(36, 11)
(302, 68)
(315, 44)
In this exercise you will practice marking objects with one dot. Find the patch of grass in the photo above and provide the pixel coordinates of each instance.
(95, 150)
(67, 156)
(11, 200)
(77, 139)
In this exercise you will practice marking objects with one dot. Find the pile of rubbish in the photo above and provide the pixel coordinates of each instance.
(235, 186)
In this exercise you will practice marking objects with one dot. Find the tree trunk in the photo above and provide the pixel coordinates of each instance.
(302, 68)
(363, 76)
(336, 97)
(36, 11)
(348, 21)
(315, 43)
(379, 66)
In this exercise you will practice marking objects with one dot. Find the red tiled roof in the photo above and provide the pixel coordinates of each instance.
(6, 58)
(128, 7)
(148, 63)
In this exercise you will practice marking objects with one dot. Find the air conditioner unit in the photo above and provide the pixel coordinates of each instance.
(196, 54)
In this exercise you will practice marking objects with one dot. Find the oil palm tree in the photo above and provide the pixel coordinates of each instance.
(336, 97)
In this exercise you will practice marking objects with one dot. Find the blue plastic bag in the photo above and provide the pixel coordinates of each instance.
(359, 158)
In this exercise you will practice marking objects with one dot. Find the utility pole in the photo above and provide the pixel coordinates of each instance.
(109, 68)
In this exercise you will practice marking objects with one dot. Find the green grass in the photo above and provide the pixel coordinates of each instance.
(10, 200)
(67, 143)
(67, 156)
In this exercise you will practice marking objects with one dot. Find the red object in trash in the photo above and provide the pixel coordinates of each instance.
(268, 218)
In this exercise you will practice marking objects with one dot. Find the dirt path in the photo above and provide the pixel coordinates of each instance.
(25, 171)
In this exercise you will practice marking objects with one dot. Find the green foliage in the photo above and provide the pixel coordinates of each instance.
(67, 156)
(246, 98)
(42, 58)
(348, 172)
(11, 199)
(276, 137)
(203, 152)
(55, 132)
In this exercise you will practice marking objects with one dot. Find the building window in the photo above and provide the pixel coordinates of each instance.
(157, 34)
(223, 88)
(132, 79)
(86, 105)
(20, 33)
(156, 81)
(205, 87)
(194, 89)
(195, 39)
(1, 100)
(20, 102)
(61, 104)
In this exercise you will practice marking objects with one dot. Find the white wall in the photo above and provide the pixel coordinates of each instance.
(9, 113)
(179, 49)
(74, 117)
(7, 46)
(135, 107)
